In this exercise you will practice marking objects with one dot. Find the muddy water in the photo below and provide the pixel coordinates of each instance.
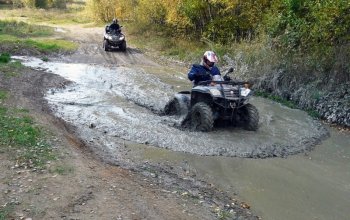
(119, 106)
(126, 102)
(303, 187)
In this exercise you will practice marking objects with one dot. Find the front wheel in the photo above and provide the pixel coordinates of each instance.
(250, 117)
(123, 46)
(105, 45)
(172, 107)
(202, 117)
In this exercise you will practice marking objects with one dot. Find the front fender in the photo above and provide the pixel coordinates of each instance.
(201, 96)
(184, 101)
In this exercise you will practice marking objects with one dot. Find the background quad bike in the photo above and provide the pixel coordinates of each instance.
(107, 46)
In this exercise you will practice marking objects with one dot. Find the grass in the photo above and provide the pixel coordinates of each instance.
(287, 103)
(178, 48)
(40, 44)
(3, 95)
(5, 58)
(50, 45)
(275, 98)
(223, 214)
(9, 69)
(73, 14)
(5, 211)
(22, 29)
(18, 35)
(62, 169)
(249, 59)
(21, 138)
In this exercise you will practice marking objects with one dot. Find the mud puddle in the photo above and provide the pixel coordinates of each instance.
(315, 186)
(124, 103)
(116, 108)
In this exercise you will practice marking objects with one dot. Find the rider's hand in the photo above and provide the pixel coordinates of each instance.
(227, 78)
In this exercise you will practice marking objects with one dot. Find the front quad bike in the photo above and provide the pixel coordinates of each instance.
(114, 39)
(215, 101)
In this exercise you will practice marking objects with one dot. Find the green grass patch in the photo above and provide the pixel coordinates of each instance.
(287, 103)
(5, 58)
(11, 69)
(253, 56)
(5, 211)
(22, 29)
(39, 44)
(3, 95)
(15, 36)
(50, 45)
(178, 48)
(45, 59)
(62, 169)
(313, 113)
(22, 138)
(224, 214)
(275, 98)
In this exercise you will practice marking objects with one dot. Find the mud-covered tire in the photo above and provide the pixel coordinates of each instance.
(172, 107)
(202, 117)
(123, 46)
(105, 45)
(250, 117)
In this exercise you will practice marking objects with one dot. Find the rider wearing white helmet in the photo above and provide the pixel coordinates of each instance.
(205, 70)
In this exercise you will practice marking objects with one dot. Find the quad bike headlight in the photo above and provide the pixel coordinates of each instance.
(244, 92)
(109, 37)
(122, 37)
(215, 92)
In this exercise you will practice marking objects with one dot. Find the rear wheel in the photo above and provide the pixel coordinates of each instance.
(202, 117)
(250, 117)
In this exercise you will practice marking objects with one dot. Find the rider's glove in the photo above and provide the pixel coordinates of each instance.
(227, 78)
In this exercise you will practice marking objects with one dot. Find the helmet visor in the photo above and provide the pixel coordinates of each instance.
(210, 64)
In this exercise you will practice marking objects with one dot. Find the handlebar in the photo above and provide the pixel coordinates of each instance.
(233, 83)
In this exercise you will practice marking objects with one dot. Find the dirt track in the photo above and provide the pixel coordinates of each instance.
(96, 189)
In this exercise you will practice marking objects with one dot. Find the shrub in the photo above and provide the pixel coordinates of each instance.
(5, 58)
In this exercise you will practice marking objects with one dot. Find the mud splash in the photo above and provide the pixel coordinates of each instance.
(124, 102)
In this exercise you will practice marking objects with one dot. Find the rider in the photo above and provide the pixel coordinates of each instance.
(205, 70)
(114, 25)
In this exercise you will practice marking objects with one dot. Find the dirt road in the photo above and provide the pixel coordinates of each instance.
(97, 188)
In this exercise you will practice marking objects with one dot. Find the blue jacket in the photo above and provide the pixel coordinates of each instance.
(200, 73)
(113, 26)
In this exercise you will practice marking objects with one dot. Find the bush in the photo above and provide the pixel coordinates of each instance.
(40, 3)
(5, 58)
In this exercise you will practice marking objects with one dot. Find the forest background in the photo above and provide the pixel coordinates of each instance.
(309, 36)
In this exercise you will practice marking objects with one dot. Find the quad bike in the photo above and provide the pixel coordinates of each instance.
(113, 39)
(215, 101)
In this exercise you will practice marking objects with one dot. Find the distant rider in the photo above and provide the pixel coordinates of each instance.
(113, 26)
(206, 70)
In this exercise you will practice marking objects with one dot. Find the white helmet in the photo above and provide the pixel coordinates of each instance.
(210, 58)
